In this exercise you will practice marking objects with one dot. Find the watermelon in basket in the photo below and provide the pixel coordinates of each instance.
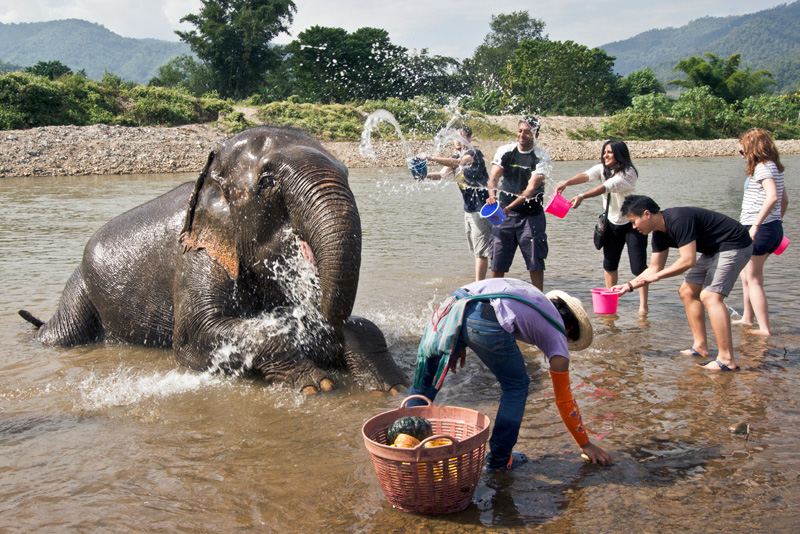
(425, 479)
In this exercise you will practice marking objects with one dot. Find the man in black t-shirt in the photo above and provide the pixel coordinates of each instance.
(518, 173)
(725, 248)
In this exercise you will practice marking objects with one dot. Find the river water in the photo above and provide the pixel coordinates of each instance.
(115, 438)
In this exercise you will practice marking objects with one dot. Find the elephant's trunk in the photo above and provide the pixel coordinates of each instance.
(323, 209)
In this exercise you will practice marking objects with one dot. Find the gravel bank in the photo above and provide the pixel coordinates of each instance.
(100, 149)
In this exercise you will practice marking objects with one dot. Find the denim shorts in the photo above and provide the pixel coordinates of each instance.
(768, 238)
(524, 231)
(718, 273)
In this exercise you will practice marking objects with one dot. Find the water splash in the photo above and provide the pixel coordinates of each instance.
(125, 387)
(298, 319)
(446, 135)
(371, 124)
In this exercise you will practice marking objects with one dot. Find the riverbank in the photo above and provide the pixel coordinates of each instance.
(101, 149)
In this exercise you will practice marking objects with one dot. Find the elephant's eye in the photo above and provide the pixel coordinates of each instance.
(265, 180)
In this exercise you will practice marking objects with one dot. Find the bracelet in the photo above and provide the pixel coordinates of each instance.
(582, 197)
(630, 285)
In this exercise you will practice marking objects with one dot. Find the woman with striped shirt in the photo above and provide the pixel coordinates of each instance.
(763, 207)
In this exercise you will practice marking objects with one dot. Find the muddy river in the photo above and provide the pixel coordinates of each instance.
(116, 438)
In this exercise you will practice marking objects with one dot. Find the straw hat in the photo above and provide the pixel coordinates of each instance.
(584, 325)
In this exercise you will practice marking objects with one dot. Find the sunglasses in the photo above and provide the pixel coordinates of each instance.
(741, 152)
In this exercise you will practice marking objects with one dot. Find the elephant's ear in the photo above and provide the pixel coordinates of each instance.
(187, 222)
(213, 233)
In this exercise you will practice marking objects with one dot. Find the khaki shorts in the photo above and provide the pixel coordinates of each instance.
(718, 273)
(479, 233)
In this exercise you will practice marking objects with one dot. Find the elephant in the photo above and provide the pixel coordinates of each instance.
(211, 269)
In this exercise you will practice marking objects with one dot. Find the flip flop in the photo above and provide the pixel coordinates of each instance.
(691, 352)
(722, 366)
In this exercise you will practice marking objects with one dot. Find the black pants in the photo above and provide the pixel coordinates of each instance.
(616, 239)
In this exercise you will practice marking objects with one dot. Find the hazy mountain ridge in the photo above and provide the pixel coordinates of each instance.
(768, 39)
(86, 45)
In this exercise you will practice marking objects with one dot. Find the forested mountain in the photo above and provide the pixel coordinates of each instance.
(768, 39)
(85, 45)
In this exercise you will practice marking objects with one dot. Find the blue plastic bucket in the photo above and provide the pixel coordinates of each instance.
(418, 167)
(493, 213)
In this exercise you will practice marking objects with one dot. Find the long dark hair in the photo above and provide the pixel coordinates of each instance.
(621, 154)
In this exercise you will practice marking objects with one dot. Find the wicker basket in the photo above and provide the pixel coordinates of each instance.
(430, 480)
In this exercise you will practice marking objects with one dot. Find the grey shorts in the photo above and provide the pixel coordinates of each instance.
(525, 232)
(479, 233)
(718, 273)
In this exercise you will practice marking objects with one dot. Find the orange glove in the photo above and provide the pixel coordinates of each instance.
(568, 408)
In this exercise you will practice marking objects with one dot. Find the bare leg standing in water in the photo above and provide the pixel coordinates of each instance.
(755, 298)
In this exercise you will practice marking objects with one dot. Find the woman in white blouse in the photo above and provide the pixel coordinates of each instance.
(617, 177)
(763, 206)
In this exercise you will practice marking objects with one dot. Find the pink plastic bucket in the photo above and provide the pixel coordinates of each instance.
(558, 206)
(493, 213)
(782, 246)
(604, 301)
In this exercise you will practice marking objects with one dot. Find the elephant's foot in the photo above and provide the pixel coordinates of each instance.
(325, 385)
(394, 390)
(367, 357)
(397, 389)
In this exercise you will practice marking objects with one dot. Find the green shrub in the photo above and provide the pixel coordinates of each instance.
(324, 121)
(709, 115)
(29, 101)
(489, 101)
(777, 114)
(483, 129)
(170, 107)
(235, 122)
(589, 134)
(640, 126)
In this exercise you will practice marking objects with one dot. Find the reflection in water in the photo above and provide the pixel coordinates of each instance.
(117, 438)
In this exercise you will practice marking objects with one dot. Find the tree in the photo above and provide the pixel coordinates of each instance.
(432, 76)
(49, 69)
(233, 38)
(184, 72)
(638, 83)
(561, 77)
(332, 65)
(642, 82)
(507, 31)
(723, 77)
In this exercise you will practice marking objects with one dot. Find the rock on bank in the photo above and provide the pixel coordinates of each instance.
(101, 149)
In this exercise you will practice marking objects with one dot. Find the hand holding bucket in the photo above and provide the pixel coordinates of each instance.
(418, 167)
(558, 206)
(493, 213)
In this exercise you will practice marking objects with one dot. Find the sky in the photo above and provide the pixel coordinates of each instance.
(443, 27)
